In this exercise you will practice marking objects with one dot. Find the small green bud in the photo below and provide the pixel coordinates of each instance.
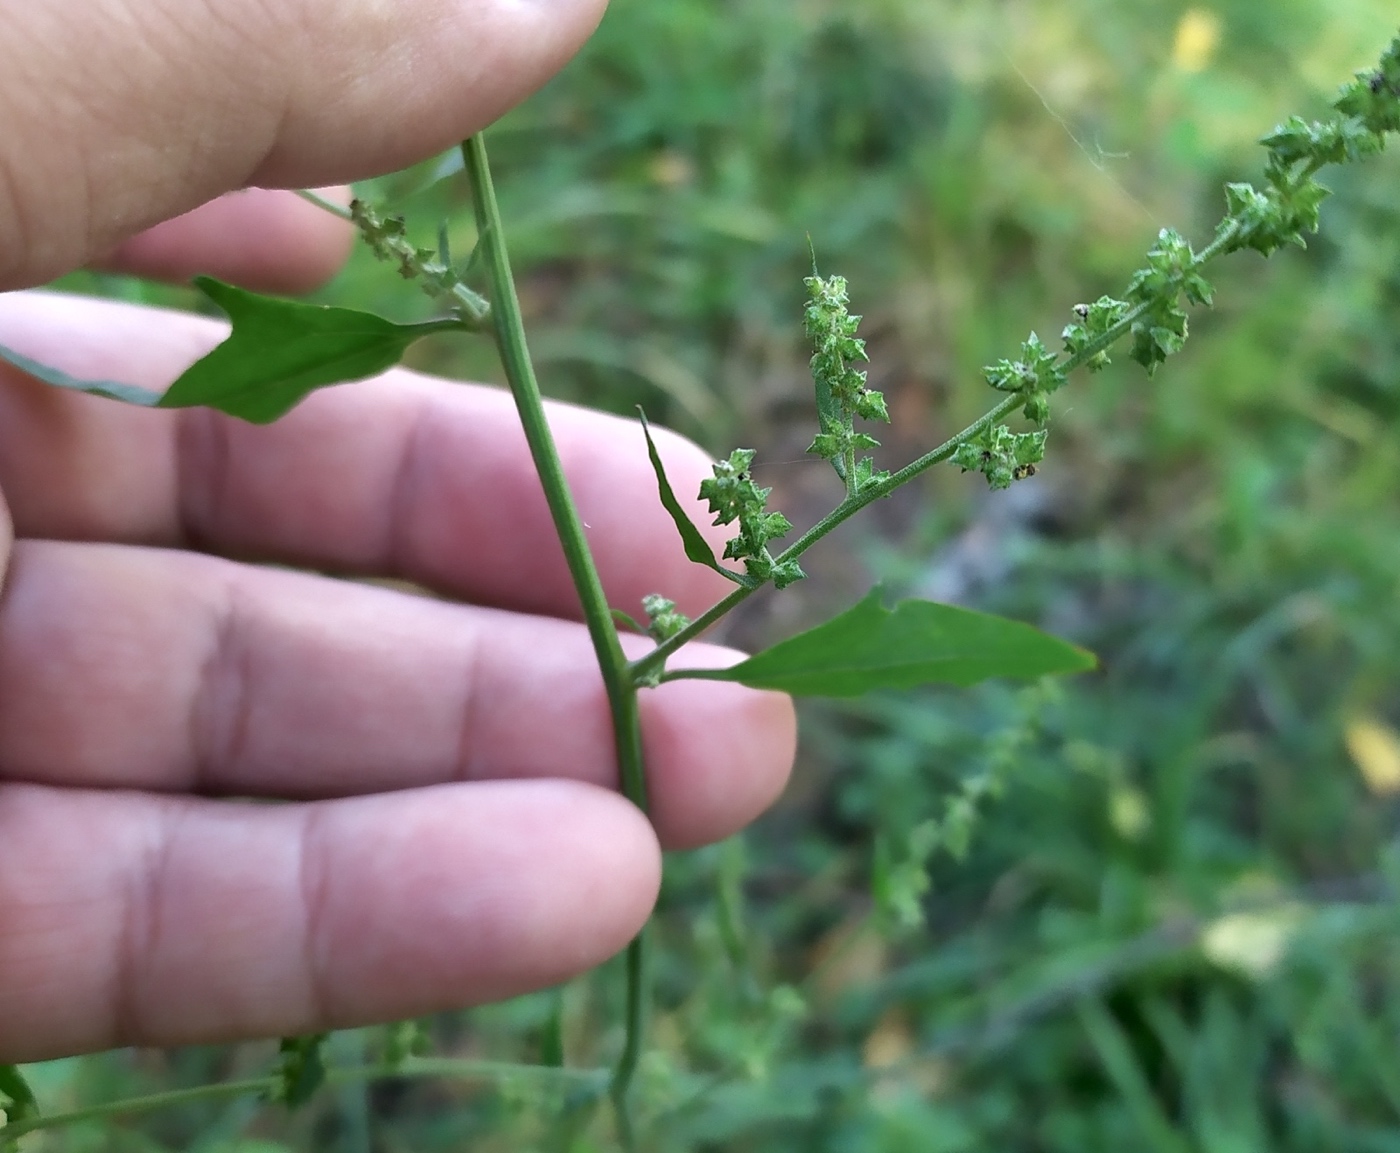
(733, 496)
(870, 405)
(1001, 455)
(866, 474)
(1373, 98)
(301, 1069)
(1095, 322)
(970, 456)
(663, 621)
(789, 572)
(731, 489)
(1006, 376)
(1036, 374)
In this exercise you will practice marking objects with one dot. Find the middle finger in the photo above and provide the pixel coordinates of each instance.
(143, 668)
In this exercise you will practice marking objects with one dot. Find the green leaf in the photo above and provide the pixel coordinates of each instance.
(111, 389)
(552, 1043)
(917, 643)
(697, 548)
(301, 1067)
(402, 1040)
(627, 620)
(281, 350)
(828, 411)
(16, 1097)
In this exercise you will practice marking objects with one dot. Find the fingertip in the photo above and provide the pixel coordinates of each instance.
(558, 877)
(133, 918)
(736, 745)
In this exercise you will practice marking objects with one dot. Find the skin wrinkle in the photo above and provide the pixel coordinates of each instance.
(313, 877)
(12, 209)
(18, 234)
(243, 96)
(147, 884)
(201, 474)
(465, 764)
(104, 113)
(404, 489)
(221, 711)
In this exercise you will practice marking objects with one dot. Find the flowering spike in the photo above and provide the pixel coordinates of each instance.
(841, 390)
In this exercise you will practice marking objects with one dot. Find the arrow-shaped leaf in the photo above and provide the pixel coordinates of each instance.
(917, 643)
(302, 1068)
(697, 548)
(281, 350)
(108, 388)
(16, 1097)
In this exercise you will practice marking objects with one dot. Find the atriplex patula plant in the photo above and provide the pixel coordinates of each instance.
(279, 351)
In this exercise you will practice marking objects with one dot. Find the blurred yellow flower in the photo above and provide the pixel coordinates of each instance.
(1376, 750)
(1251, 943)
(1128, 812)
(1197, 38)
(890, 1042)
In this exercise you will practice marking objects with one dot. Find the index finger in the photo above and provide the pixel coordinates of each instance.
(403, 476)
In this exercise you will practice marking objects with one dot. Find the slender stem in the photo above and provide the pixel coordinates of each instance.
(621, 688)
(325, 205)
(635, 1021)
(144, 1104)
(448, 324)
(515, 358)
(413, 1067)
(648, 665)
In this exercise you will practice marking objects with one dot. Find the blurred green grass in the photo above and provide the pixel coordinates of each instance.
(1175, 929)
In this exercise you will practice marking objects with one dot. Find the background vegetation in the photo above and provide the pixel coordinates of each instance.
(1153, 909)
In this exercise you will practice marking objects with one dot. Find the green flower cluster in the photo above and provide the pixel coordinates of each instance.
(733, 496)
(1087, 341)
(1367, 110)
(1034, 377)
(301, 1069)
(663, 619)
(387, 237)
(1153, 310)
(1159, 329)
(842, 394)
(1001, 455)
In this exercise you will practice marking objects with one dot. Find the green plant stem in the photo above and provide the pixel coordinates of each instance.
(325, 205)
(520, 373)
(621, 688)
(413, 1067)
(646, 666)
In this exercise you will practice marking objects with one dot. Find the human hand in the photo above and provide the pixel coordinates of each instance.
(452, 835)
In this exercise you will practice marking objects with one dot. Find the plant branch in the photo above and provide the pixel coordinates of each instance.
(648, 665)
(325, 205)
(412, 1067)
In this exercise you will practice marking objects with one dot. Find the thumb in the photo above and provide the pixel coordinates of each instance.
(119, 114)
